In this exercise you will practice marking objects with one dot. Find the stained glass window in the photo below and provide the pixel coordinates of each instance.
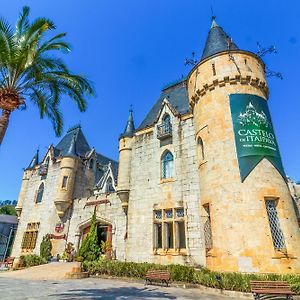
(40, 193)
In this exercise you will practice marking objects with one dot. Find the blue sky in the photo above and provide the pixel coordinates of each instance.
(131, 49)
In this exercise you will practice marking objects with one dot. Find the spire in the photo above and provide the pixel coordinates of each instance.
(129, 129)
(217, 41)
(34, 161)
(72, 149)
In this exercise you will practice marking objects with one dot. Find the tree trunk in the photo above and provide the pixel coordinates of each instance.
(4, 123)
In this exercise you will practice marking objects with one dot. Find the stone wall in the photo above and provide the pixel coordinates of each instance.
(148, 192)
(108, 211)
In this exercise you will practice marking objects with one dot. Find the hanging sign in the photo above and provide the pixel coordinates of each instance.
(254, 134)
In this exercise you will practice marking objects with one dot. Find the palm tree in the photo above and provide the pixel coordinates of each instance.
(29, 72)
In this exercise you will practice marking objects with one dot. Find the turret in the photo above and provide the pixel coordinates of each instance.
(26, 176)
(249, 220)
(68, 168)
(125, 149)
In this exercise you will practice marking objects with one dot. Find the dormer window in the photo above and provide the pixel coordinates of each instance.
(109, 186)
(91, 164)
(164, 130)
(43, 170)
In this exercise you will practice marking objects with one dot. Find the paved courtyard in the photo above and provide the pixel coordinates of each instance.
(93, 288)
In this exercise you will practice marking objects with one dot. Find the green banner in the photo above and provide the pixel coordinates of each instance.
(254, 134)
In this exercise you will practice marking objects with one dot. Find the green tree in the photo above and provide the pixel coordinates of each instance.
(29, 72)
(46, 247)
(90, 249)
(8, 210)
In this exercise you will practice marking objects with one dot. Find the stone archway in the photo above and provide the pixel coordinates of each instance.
(104, 231)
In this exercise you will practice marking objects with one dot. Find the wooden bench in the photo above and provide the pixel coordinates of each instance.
(157, 275)
(275, 288)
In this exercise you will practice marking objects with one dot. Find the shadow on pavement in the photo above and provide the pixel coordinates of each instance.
(114, 293)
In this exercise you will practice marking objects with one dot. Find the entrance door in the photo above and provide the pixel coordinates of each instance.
(103, 233)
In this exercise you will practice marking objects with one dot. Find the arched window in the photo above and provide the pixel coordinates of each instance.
(166, 119)
(167, 162)
(109, 186)
(91, 164)
(40, 193)
(200, 149)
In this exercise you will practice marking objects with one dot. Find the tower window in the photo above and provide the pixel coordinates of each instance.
(40, 193)
(64, 182)
(214, 69)
(201, 149)
(207, 228)
(277, 234)
(167, 165)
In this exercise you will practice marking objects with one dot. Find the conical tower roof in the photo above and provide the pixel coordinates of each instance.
(129, 128)
(217, 41)
(34, 161)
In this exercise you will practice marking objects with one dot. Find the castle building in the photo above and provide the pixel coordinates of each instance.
(199, 182)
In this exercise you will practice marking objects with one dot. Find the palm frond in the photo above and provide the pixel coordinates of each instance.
(55, 43)
(23, 22)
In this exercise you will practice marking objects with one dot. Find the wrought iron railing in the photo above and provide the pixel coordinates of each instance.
(164, 130)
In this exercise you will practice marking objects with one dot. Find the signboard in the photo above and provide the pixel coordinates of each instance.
(254, 134)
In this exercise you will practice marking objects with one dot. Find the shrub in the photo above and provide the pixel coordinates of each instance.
(229, 281)
(31, 260)
(90, 249)
(46, 247)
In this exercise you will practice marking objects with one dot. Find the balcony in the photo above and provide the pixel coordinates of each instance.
(43, 170)
(164, 131)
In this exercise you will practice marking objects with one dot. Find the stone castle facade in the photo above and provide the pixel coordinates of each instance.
(181, 192)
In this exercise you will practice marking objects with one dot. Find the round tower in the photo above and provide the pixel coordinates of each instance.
(250, 223)
(125, 149)
(25, 180)
(68, 168)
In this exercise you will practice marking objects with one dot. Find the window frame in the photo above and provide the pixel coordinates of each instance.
(38, 198)
(30, 236)
(276, 223)
(166, 222)
(167, 165)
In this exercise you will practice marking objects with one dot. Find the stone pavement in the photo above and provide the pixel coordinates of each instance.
(51, 271)
(94, 288)
(47, 282)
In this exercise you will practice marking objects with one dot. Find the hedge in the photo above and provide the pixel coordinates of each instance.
(31, 260)
(229, 281)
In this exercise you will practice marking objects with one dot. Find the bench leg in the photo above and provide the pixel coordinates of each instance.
(289, 297)
(256, 296)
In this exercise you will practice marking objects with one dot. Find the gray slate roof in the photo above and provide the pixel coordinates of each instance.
(81, 145)
(178, 98)
(129, 128)
(103, 160)
(217, 41)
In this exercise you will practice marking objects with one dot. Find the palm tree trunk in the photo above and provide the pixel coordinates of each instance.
(4, 119)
